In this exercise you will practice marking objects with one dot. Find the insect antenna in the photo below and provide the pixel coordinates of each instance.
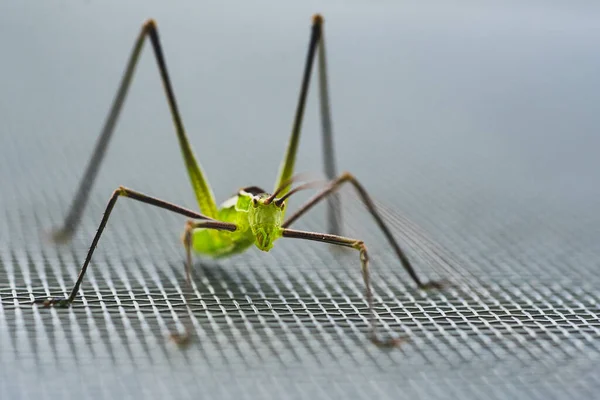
(303, 176)
(304, 186)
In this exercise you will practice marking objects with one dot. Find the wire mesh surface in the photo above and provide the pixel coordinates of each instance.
(273, 329)
(517, 232)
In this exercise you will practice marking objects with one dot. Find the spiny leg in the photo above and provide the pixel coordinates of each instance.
(122, 191)
(202, 190)
(317, 40)
(332, 188)
(364, 259)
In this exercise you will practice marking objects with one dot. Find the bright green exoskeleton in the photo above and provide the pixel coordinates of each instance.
(252, 216)
(258, 221)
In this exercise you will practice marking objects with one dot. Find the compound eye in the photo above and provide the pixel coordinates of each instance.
(254, 202)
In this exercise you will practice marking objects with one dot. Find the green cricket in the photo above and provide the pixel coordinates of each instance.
(252, 216)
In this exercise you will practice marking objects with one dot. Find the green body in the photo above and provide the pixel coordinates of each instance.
(258, 222)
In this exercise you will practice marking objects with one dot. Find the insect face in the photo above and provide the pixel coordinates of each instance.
(265, 219)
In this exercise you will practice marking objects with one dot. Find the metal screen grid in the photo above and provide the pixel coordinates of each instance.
(505, 183)
(267, 313)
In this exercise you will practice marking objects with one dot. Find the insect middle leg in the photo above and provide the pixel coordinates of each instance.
(366, 199)
(122, 191)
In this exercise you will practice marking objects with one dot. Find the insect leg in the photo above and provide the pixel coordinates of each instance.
(317, 40)
(364, 259)
(184, 339)
(200, 185)
(334, 209)
(366, 199)
(122, 191)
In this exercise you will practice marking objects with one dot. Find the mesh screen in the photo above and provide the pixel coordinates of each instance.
(508, 215)
(292, 325)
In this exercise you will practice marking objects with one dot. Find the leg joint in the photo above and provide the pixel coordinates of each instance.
(120, 191)
(186, 237)
(346, 176)
(360, 246)
(150, 24)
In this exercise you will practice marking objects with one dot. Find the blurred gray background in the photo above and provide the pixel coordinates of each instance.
(477, 122)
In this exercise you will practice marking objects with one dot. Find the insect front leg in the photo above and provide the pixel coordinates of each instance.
(184, 339)
(364, 260)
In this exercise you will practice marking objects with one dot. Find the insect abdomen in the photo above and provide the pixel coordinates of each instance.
(217, 244)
